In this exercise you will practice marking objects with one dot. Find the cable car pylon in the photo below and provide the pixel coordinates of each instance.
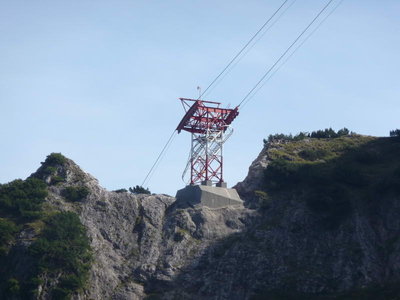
(209, 125)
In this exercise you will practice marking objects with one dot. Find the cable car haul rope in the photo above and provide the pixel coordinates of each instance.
(270, 72)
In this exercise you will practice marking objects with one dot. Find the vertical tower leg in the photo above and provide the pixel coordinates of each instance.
(191, 160)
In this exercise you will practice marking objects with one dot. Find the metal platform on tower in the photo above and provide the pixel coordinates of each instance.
(209, 125)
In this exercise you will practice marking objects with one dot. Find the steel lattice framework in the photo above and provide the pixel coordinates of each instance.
(208, 124)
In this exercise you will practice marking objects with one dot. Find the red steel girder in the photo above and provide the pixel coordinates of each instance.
(199, 118)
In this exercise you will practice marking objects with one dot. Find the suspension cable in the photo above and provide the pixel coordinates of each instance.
(284, 53)
(257, 86)
(244, 47)
(294, 51)
(229, 69)
(153, 167)
(159, 157)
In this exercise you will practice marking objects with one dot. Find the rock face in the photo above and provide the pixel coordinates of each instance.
(147, 246)
(141, 243)
(254, 177)
(285, 253)
(255, 174)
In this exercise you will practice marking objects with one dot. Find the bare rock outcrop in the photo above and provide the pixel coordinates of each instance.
(254, 176)
(147, 246)
(141, 243)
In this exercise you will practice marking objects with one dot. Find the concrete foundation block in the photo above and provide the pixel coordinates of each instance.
(206, 182)
(210, 196)
(222, 184)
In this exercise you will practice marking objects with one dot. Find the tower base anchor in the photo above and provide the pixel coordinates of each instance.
(210, 196)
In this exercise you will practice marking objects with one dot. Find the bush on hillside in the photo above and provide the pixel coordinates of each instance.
(49, 170)
(395, 133)
(286, 137)
(12, 287)
(281, 172)
(139, 190)
(23, 198)
(75, 194)
(63, 249)
(56, 180)
(54, 159)
(313, 154)
(327, 133)
(50, 166)
(7, 232)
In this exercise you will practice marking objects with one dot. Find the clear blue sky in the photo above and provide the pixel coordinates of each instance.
(99, 80)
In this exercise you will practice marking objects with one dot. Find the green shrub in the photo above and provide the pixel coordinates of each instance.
(313, 154)
(63, 248)
(49, 170)
(71, 282)
(327, 133)
(55, 159)
(139, 190)
(75, 194)
(50, 167)
(281, 172)
(23, 198)
(61, 293)
(286, 137)
(343, 132)
(7, 232)
(121, 191)
(13, 287)
(56, 180)
(395, 133)
(330, 133)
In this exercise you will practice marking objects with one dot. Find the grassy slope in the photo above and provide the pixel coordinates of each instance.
(333, 176)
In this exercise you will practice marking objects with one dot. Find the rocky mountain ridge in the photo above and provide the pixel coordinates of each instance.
(276, 247)
(139, 242)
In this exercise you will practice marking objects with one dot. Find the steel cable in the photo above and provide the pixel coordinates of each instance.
(243, 48)
(294, 51)
(159, 157)
(284, 53)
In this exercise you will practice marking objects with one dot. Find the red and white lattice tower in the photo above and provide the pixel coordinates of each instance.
(209, 125)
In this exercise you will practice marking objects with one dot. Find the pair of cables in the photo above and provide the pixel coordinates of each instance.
(214, 82)
(285, 56)
(274, 68)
